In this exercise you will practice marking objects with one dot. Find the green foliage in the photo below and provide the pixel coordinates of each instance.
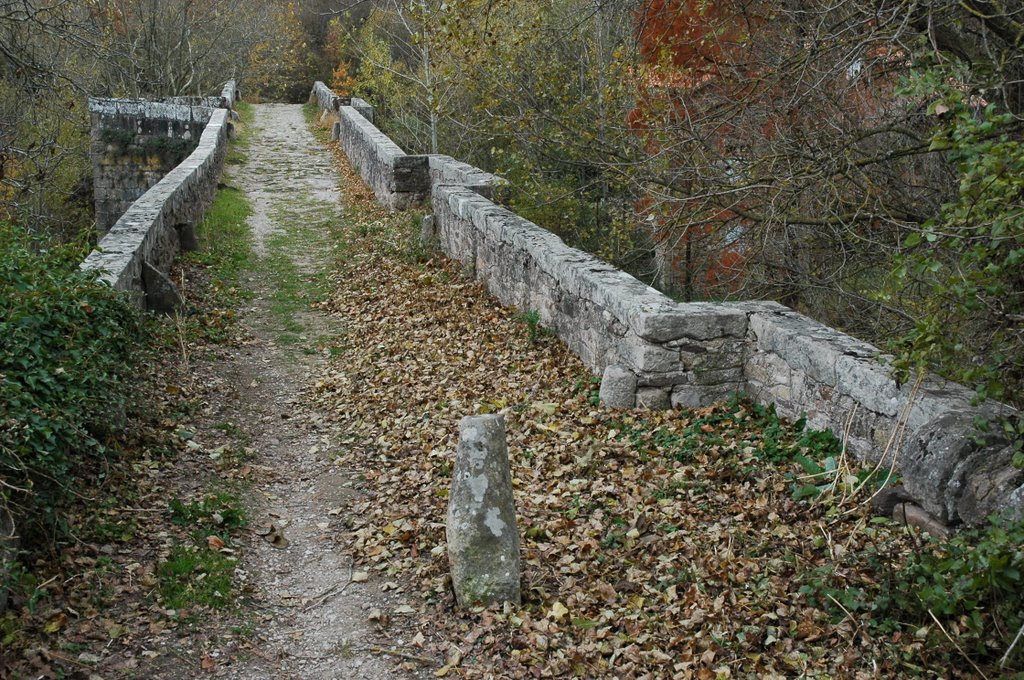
(118, 137)
(589, 385)
(968, 260)
(217, 513)
(66, 350)
(202, 573)
(172, 150)
(224, 236)
(226, 252)
(533, 327)
(973, 585)
(976, 578)
(756, 431)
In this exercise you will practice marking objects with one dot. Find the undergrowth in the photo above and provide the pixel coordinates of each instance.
(67, 350)
(201, 572)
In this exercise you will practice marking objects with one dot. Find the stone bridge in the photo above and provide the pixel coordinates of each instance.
(652, 352)
(656, 353)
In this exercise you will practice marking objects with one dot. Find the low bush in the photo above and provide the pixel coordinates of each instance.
(66, 346)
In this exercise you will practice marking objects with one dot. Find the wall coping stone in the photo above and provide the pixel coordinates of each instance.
(157, 110)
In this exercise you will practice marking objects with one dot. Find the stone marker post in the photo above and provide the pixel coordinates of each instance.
(483, 541)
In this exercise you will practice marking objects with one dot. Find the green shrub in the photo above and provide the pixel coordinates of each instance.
(976, 580)
(66, 344)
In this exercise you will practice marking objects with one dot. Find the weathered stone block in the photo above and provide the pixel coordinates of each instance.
(411, 174)
(908, 513)
(483, 541)
(654, 398)
(984, 481)
(694, 396)
(687, 396)
(187, 237)
(447, 170)
(670, 379)
(768, 369)
(717, 376)
(697, 321)
(618, 387)
(428, 233)
(162, 296)
(646, 358)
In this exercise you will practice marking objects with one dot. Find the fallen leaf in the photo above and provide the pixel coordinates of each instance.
(56, 623)
(558, 611)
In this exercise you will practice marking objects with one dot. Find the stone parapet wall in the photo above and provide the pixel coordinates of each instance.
(679, 354)
(154, 228)
(230, 94)
(133, 144)
(664, 353)
(447, 170)
(331, 103)
(657, 353)
(926, 427)
(225, 100)
(398, 180)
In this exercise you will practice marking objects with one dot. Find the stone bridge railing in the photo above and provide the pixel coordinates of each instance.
(132, 141)
(657, 353)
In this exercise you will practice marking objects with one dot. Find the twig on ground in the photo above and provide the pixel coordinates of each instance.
(1016, 639)
(958, 648)
(401, 655)
(856, 626)
(333, 590)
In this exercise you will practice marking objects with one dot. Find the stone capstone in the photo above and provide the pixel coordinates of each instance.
(483, 540)
(618, 387)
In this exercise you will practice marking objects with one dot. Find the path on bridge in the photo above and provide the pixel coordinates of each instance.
(311, 620)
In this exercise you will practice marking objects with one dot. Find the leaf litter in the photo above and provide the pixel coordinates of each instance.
(655, 544)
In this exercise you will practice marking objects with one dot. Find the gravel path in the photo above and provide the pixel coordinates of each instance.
(314, 612)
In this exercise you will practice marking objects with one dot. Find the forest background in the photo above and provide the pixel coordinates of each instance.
(858, 160)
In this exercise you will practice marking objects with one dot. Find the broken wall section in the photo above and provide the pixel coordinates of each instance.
(134, 144)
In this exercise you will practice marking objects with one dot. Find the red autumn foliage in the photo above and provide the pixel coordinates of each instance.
(689, 46)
